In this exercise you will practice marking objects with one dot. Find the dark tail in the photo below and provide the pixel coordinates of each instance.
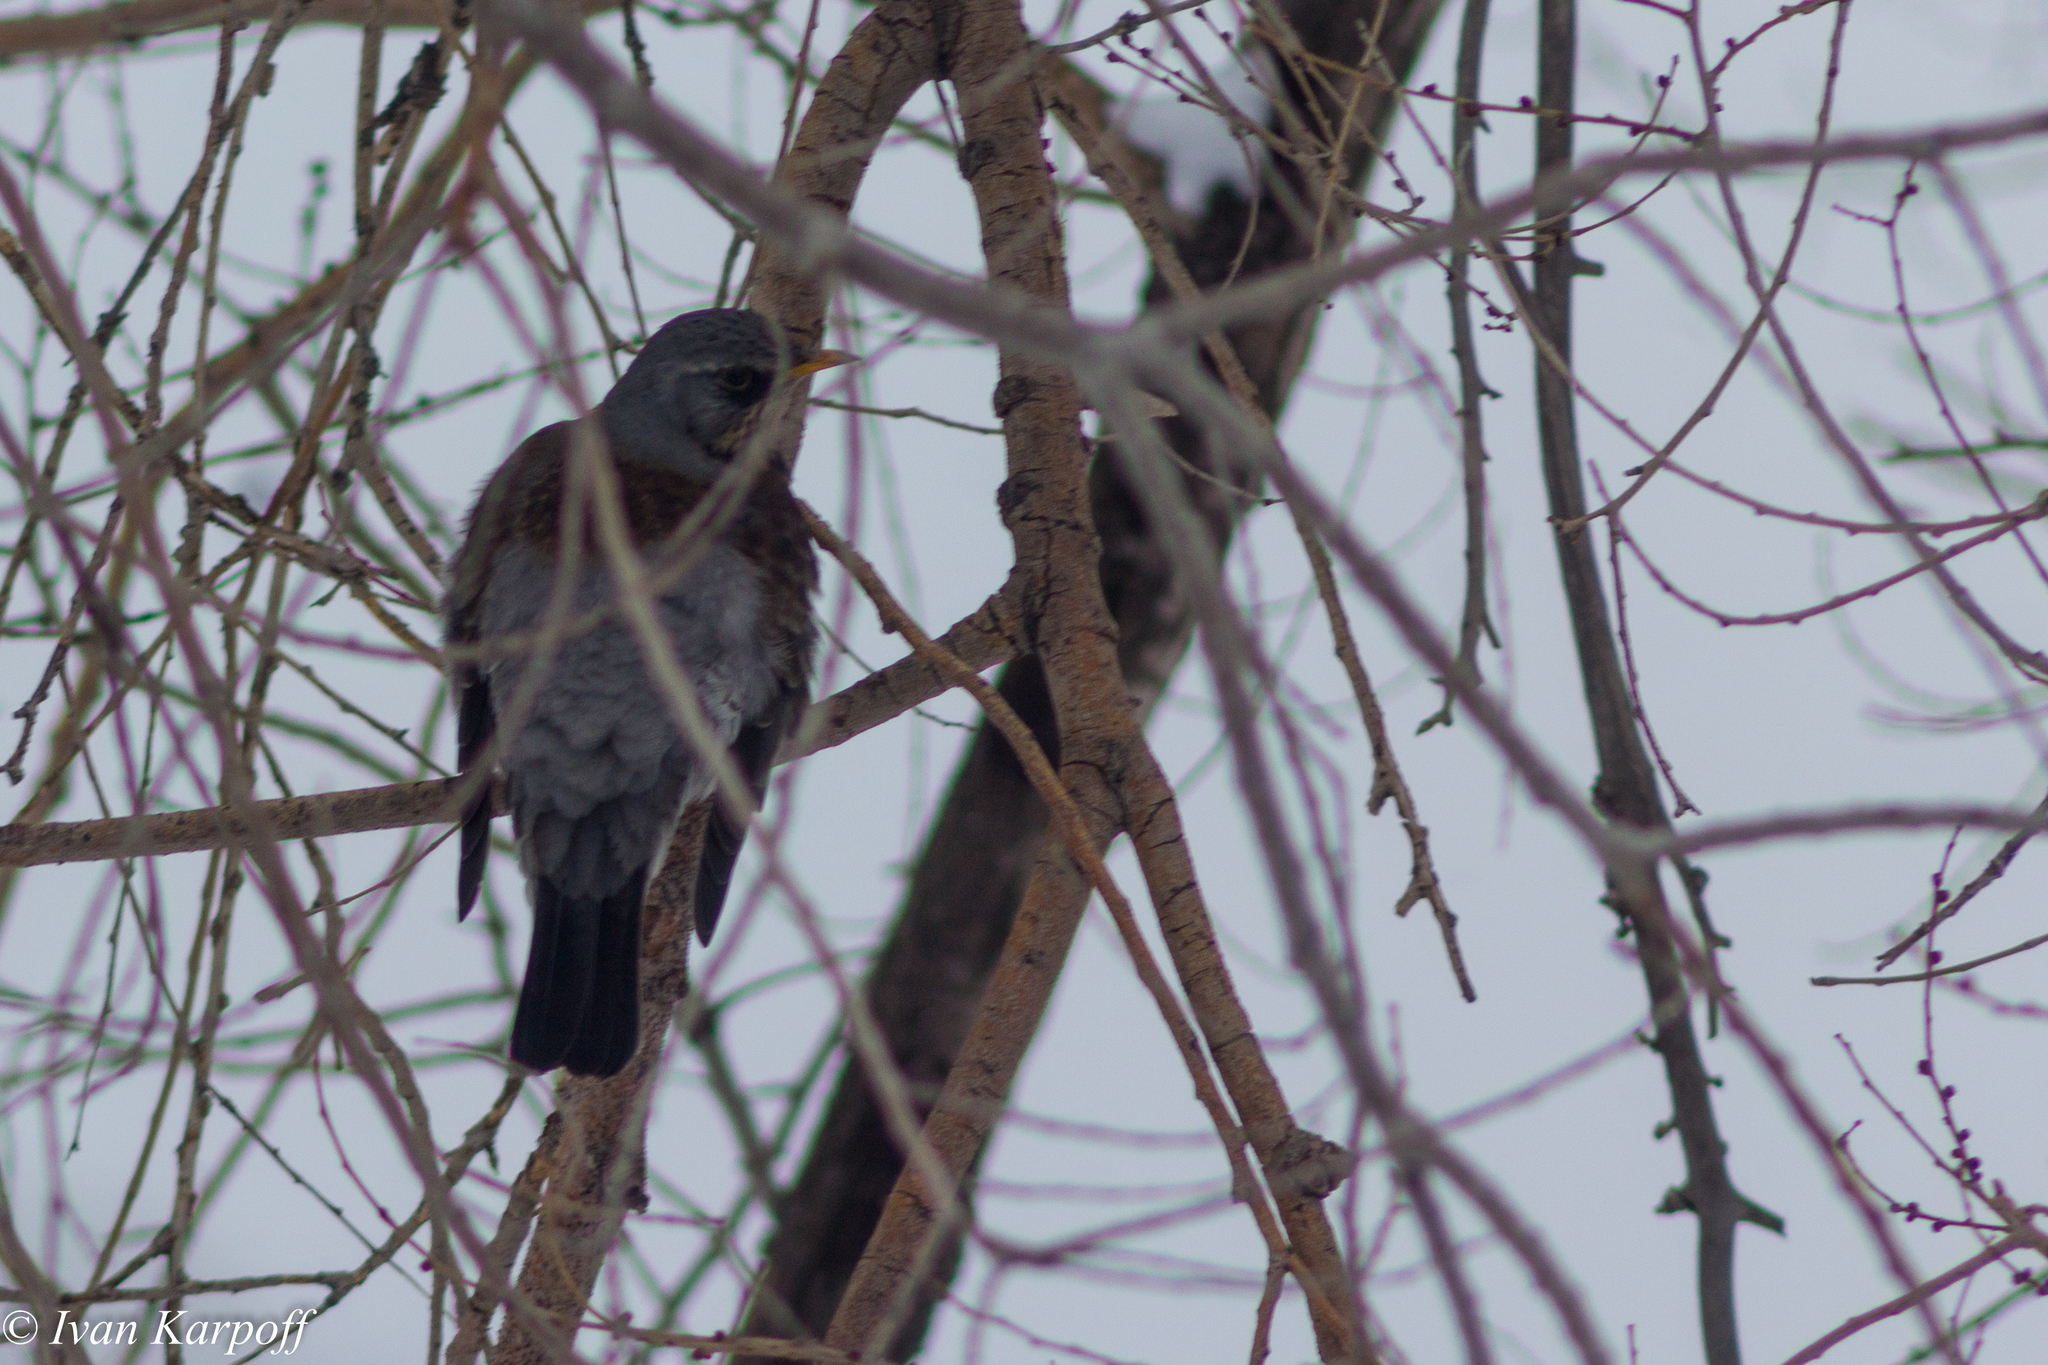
(580, 1006)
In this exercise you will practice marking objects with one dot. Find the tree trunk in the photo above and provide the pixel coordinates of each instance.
(963, 896)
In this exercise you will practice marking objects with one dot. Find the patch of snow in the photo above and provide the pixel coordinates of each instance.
(1196, 143)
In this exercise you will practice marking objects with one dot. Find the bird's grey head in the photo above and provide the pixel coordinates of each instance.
(690, 397)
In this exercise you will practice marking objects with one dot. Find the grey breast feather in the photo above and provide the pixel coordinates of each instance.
(597, 770)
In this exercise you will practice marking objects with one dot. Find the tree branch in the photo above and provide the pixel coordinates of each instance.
(2004, 1246)
(989, 636)
(136, 21)
(1626, 787)
(972, 874)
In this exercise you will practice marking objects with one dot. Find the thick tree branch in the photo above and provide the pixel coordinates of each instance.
(1074, 832)
(1388, 782)
(910, 1255)
(987, 637)
(398, 806)
(972, 874)
(136, 21)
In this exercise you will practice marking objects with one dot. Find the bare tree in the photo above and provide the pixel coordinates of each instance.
(229, 554)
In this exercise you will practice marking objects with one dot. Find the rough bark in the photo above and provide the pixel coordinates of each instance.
(905, 1257)
(963, 897)
(1109, 781)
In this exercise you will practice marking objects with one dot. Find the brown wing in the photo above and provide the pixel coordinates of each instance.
(772, 534)
(753, 753)
(517, 496)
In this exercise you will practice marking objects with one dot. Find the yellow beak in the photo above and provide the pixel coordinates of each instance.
(824, 360)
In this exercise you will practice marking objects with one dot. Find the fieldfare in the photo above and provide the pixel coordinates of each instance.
(596, 770)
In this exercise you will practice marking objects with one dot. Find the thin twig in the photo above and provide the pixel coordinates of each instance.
(1918, 1295)
(1993, 870)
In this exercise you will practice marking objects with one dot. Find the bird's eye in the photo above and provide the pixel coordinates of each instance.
(738, 378)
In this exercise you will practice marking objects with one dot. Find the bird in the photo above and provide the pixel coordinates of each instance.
(596, 772)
